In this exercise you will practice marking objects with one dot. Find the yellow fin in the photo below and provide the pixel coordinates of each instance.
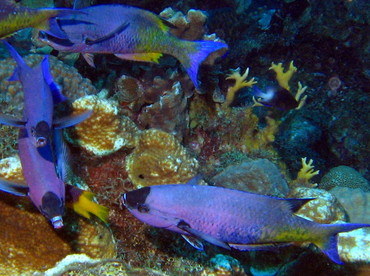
(85, 207)
(148, 57)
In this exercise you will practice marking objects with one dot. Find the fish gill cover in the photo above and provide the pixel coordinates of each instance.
(284, 112)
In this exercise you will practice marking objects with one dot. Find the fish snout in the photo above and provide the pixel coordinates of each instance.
(136, 199)
(57, 222)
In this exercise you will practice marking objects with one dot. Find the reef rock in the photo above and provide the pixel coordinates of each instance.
(259, 176)
(356, 202)
(159, 159)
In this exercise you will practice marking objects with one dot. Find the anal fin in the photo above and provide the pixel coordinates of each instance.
(146, 57)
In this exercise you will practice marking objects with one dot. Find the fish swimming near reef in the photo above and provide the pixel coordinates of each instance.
(14, 17)
(129, 33)
(277, 97)
(41, 149)
(231, 218)
(40, 96)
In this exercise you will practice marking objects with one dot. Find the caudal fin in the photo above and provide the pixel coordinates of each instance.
(328, 242)
(194, 53)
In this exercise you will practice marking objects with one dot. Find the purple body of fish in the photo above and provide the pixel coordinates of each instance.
(231, 218)
(129, 33)
(46, 189)
(40, 95)
(41, 149)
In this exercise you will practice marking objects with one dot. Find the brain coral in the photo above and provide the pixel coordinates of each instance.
(158, 159)
(102, 133)
(344, 176)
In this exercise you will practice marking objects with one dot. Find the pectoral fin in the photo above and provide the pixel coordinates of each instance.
(147, 57)
(71, 120)
(89, 59)
(11, 121)
(187, 228)
(13, 188)
(194, 242)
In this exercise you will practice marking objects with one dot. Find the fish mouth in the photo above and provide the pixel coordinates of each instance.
(44, 36)
(57, 222)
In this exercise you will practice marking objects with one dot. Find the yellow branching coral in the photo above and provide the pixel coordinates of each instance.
(306, 173)
(282, 77)
(104, 132)
(158, 159)
(239, 83)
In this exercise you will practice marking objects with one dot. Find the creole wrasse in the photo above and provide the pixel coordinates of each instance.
(231, 218)
(14, 17)
(129, 33)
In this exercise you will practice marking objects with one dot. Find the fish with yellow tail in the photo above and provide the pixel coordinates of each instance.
(231, 218)
(14, 17)
(129, 33)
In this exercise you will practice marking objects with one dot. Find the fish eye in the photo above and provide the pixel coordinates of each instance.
(41, 141)
(142, 208)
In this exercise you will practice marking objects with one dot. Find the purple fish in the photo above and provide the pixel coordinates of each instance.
(129, 33)
(35, 143)
(231, 218)
(40, 95)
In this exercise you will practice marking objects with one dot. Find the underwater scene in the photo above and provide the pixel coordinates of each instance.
(227, 137)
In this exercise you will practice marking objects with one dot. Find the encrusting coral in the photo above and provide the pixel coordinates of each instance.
(159, 158)
(104, 131)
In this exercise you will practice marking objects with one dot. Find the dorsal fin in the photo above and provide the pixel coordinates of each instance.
(296, 203)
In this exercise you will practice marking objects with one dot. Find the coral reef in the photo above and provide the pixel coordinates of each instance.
(103, 132)
(223, 265)
(82, 265)
(324, 209)
(355, 201)
(354, 246)
(171, 104)
(189, 26)
(159, 158)
(259, 176)
(11, 169)
(344, 176)
(29, 244)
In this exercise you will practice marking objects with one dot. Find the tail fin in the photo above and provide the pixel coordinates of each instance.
(328, 242)
(194, 53)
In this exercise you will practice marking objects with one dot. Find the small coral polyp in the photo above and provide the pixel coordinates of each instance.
(159, 159)
(99, 134)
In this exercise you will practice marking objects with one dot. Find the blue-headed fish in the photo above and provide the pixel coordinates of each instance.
(129, 33)
(231, 218)
(14, 17)
(41, 147)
